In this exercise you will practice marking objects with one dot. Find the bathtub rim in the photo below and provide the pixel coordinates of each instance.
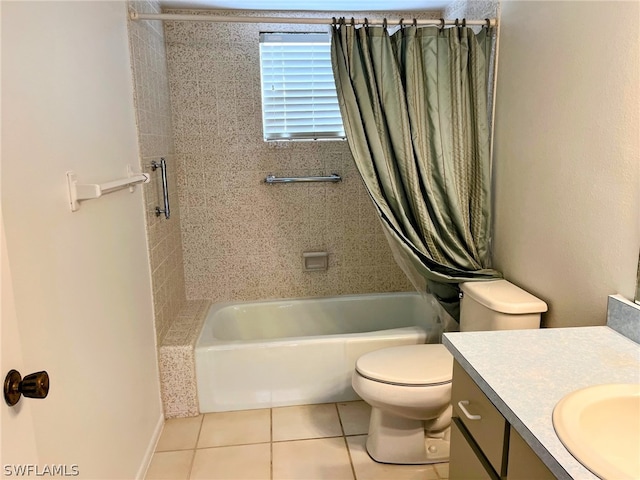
(216, 307)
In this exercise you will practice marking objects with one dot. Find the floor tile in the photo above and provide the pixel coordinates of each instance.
(179, 434)
(367, 469)
(304, 442)
(235, 428)
(241, 462)
(306, 421)
(170, 465)
(354, 417)
(318, 459)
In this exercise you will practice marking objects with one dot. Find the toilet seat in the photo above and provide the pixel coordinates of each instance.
(408, 365)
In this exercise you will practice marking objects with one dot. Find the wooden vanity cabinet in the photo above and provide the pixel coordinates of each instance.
(481, 426)
(523, 463)
(483, 444)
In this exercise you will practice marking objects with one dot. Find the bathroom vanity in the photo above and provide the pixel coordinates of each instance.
(483, 442)
(512, 380)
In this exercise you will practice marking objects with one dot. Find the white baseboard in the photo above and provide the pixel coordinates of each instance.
(146, 460)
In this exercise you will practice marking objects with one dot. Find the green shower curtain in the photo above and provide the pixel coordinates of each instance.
(415, 111)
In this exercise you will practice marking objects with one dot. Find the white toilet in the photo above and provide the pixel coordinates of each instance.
(409, 387)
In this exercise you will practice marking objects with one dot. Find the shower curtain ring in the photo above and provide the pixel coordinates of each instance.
(415, 22)
(488, 23)
(464, 23)
(457, 23)
(366, 22)
(442, 24)
(333, 22)
(353, 22)
(384, 23)
(400, 24)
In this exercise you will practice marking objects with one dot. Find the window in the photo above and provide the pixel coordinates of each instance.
(299, 100)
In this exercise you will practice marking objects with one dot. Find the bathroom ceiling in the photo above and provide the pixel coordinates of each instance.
(312, 5)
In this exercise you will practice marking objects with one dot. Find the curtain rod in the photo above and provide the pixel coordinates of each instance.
(304, 21)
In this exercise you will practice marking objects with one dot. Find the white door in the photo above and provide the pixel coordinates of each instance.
(16, 423)
(78, 303)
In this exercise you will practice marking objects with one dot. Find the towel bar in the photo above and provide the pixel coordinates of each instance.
(334, 177)
(88, 191)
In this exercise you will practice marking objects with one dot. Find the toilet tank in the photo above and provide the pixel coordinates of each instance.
(498, 305)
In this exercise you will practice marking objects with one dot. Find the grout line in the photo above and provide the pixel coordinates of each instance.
(353, 468)
(175, 450)
(346, 444)
(307, 438)
(193, 457)
(232, 445)
(438, 473)
(271, 443)
(339, 419)
(200, 430)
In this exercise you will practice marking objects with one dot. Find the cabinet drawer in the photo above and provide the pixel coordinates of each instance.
(482, 420)
(466, 462)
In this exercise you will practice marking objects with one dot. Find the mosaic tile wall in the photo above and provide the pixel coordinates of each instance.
(153, 112)
(473, 9)
(177, 364)
(243, 239)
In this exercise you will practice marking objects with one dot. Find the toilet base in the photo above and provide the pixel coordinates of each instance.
(402, 441)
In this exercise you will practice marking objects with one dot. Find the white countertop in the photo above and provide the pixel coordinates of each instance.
(526, 372)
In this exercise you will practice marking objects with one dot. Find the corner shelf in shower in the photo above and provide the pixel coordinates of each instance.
(79, 192)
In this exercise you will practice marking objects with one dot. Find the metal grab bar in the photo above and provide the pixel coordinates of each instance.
(165, 189)
(334, 177)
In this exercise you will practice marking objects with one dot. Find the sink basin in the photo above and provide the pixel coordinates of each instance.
(600, 426)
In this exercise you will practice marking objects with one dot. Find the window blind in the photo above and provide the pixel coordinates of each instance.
(299, 99)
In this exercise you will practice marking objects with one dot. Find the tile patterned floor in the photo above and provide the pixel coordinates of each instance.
(314, 442)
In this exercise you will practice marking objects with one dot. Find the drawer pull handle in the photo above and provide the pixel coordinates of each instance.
(462, 404)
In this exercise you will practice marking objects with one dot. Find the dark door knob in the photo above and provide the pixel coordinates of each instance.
(35, 385)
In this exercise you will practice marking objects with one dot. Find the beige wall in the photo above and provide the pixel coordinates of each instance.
(153, 120)
(567, 159)
(244, 239)
(81, 280)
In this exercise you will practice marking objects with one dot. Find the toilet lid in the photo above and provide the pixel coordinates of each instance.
(408, 365)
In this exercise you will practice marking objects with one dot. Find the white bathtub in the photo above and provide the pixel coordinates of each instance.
(302, 351)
